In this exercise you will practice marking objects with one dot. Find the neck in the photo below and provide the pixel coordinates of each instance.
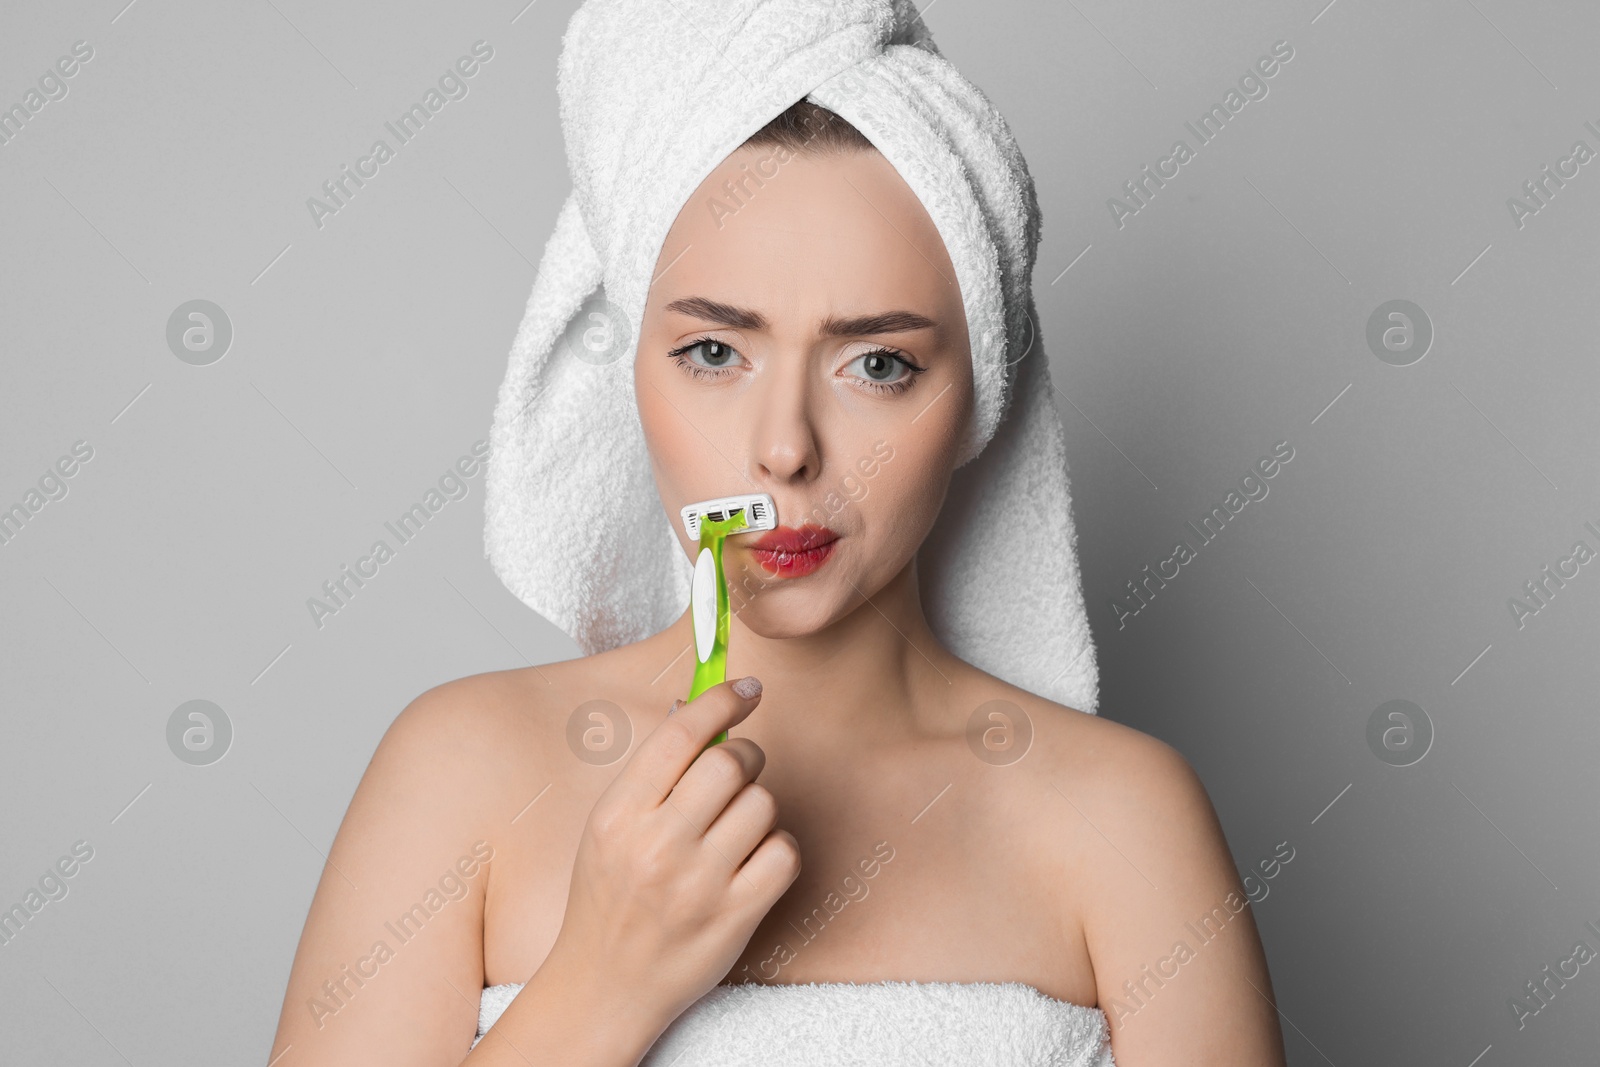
(875, 673)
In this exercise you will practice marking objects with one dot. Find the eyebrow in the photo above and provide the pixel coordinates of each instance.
(833, 326)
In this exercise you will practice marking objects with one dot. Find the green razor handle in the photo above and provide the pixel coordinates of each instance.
(713, 669)
(715, 521)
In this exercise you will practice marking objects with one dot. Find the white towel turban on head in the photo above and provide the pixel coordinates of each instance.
(654, 94)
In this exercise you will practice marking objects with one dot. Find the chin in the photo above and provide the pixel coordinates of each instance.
(780, 609)
(783, 630)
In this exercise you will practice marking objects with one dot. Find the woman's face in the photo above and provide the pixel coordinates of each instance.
(805, 337)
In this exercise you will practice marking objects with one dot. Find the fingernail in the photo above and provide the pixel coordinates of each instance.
(676, 704)
(748, 687)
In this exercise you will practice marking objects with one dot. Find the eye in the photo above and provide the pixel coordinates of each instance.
(718, 357)
(886, 370)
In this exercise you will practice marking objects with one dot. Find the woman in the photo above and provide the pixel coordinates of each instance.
(660, 901)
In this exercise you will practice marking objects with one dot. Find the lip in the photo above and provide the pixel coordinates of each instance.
(786, 552)
(793, 539)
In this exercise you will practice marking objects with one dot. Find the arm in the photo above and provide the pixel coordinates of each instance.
(397, 918)
(1178, 962)
(562, 1018)
(389, 969)
(390, 965)
(678, 861)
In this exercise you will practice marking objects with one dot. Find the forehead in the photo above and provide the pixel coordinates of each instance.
(797, 234)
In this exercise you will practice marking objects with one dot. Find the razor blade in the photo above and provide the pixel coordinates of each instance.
(760, 513)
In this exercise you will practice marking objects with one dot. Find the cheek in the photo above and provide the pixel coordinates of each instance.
(667, 434)
(666, 448)
(924, 454)
(902, 500)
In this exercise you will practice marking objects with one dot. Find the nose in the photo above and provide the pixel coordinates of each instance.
(785, 448)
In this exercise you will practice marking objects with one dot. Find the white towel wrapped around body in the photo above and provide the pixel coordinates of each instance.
(653, 95)
(872, 1024)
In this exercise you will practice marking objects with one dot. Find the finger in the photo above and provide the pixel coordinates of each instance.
(743, 824)
(769, 872)
(713, 780)
(666, 753)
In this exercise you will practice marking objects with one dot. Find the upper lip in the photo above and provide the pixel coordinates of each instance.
(790, 539)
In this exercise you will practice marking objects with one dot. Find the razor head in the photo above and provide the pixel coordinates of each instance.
(760, 513)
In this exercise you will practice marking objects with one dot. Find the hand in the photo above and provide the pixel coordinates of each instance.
(678, 863)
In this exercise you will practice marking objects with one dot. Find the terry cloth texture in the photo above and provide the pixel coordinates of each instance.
(875, 1024)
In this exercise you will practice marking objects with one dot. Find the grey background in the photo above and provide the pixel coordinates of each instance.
(1230, 313)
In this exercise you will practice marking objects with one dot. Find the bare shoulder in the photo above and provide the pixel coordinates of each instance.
(1132, 778)
(469, 722)
(1130, 795)
(507, 718)
(1151, 884)
(1123, 772)
(1090, 786)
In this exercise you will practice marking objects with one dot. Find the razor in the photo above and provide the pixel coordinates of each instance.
(711, 522)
